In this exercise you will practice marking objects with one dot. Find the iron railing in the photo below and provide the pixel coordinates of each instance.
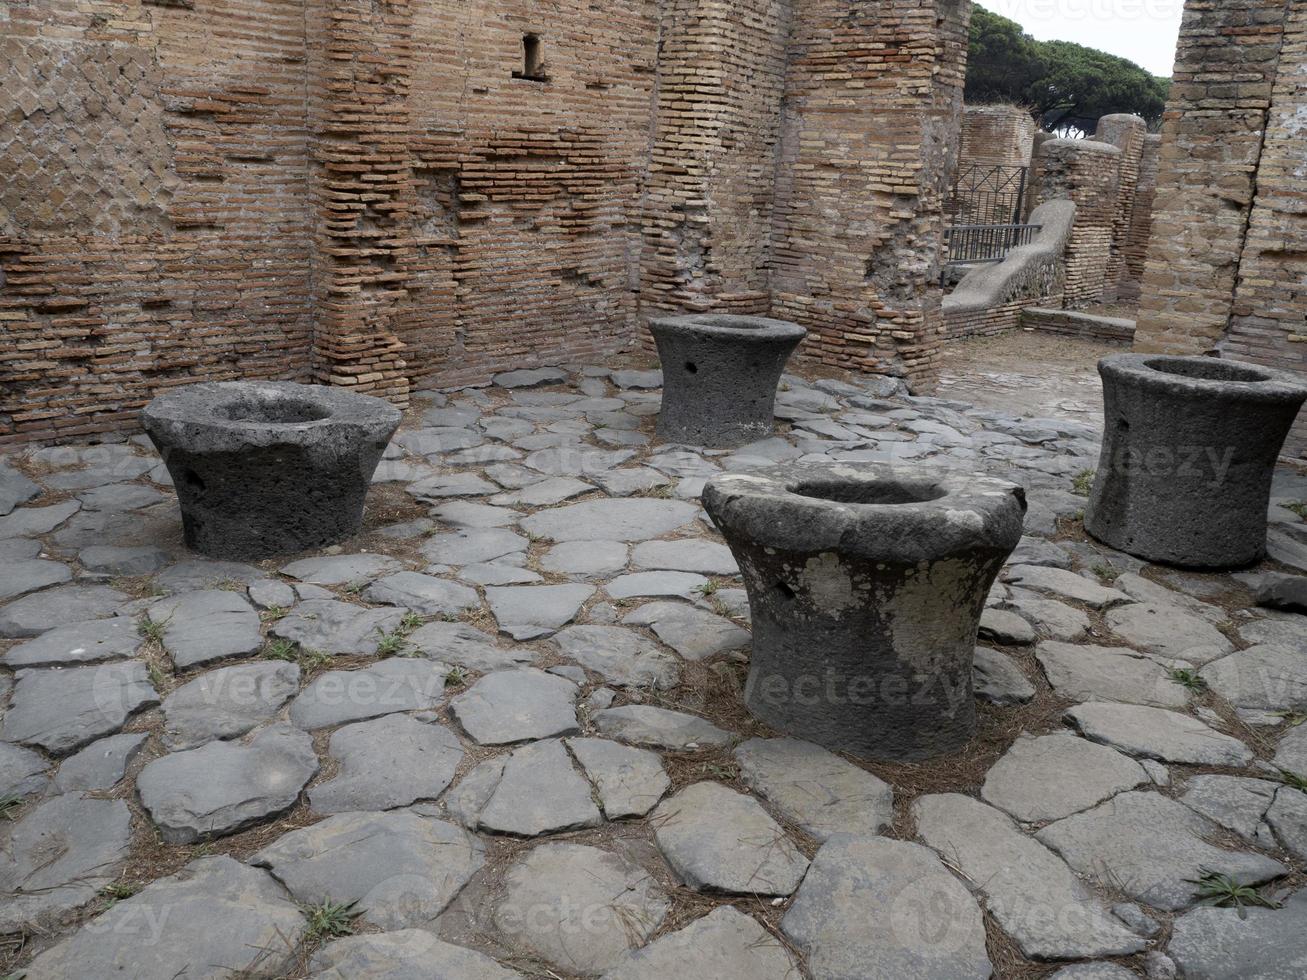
(970, 244)
(987, 194)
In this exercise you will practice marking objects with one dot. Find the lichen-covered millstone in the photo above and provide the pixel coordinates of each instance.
(58, 857)
(720, 375)
(725, 945)
(577, 907)
(1189, 448)
(401, 868)
(224, 787)
(866, 585)
(62, 710)
(405, 954)
(267, 468)
(216, 917)
(871, 908)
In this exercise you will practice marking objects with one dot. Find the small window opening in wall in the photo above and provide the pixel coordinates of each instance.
(534, 68)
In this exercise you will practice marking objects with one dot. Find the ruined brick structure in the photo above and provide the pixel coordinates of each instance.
(1228, 260)
(997, 134)
(388, 194)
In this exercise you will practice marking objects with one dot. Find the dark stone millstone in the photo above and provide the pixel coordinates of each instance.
(269, 468)
(720, 375)
(866, 585)
(1189, 450)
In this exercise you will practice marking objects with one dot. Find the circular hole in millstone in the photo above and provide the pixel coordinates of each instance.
(274, 411)
(1208, 369)
(878, 492)
(692, 367)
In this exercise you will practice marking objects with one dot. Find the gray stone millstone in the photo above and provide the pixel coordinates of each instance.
(267, 468)
(402, 868)
(224, 787)
(871, 908)
(886, 574)
(720, 375)
(1189, 448)
(215, 917)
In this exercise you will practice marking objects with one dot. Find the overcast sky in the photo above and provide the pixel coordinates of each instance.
(1144, 31)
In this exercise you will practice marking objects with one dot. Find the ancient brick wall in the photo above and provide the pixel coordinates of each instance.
(1134, 249)
(1128, 134)
(1088, 173)
(997, 134)
(154, 216)
(388, 194)
(872, 102)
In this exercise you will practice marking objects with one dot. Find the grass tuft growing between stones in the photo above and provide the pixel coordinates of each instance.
(1084, 482)
(1223, 892)
(330, 918)
(1187, 677)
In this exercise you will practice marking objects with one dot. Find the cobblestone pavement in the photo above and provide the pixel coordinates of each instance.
(500, 733)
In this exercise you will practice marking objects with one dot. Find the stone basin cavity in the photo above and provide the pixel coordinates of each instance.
(1189, 451)
(266, 468)
(720, 375)
(866, 584)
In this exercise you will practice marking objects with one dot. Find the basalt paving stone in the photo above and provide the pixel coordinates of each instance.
(1082, 672)
(272, 594)
(506, 429)
(384, 688)
(1152, 848)
(539, 792)
(1261, 678)
(589, 558)
(202, 627)
(629, 781)
(61, 605)
(558, 892)
(547, 492)
(30, 521)
(870, 907)
(1005, 627)
(28, 575)
(466, 800)
(1165, 631)
(1276, 630)
(424, 594)
(96, 527)
(58, 857)
(630, 480)
(576, 460)
(341, 569)
(999, 680)
(459, 418)
(464, 513)
(1053, 619)
(101, 765)
(472, 545)
(22, 771)
(223, 787)
(621, 656)
(527, 612)
(15, 489)
(461, 645)
(1145, 590)
(79, 643)
(718, 840)
(122, 496)
(625, 519)
(17, 549)
(495, 573)
(1239, 944)
(725, 944)
(387, 763)
(640, 585)
(1155, 733)
(530, 377)
(642, 724)
(121, 470)
(1291, 752)
(1064, 584)
(1287, 818)
(695, 634)
(516, 705)
(401, 868)
(1023, 881)
(445, 485)
(334, 627)
(195, 574)
(816, 789)
(404, 954)
(1048, 777)
(215, 917)
(628, 379)
(1236, 803)
(1037, 551)
(62, 710)
(227, 702)
(115, 560)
